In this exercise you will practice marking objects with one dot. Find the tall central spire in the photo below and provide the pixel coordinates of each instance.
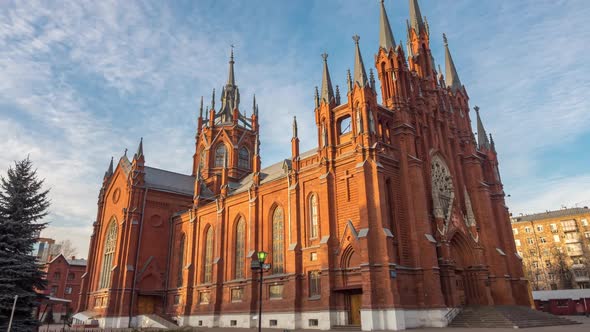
(451, 76)
(327, 91)
(386, 39)
(230, 79)
(416, 17)
(360, 75)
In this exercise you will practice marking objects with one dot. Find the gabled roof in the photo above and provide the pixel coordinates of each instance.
(156, 178)
(553, 214)
(74, 262)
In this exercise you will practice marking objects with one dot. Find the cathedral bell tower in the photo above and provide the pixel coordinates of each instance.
(226, 141)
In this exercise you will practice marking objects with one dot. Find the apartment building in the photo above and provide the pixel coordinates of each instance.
(555, 248)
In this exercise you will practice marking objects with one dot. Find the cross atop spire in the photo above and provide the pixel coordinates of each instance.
(327, 91)
(386, 40)
(360, 75)
(416, 17)
(482, 137)
(451, 77)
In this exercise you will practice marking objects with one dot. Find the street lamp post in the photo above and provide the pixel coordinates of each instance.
(259, 265)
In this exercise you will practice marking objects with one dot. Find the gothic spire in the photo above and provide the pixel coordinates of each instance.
(295, 127)
(360, 75)
(337, 95)
(451, 76)
(327, 91)
(230, 78)
(386, 40)
(416, 17)
(254, 104)
(316, 97)
(482, 137)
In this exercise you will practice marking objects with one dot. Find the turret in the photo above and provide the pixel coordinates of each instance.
(419, 53)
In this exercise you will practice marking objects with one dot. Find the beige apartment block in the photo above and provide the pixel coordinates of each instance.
(555, 248)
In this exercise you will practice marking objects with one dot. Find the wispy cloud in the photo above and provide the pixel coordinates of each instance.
(83, 80)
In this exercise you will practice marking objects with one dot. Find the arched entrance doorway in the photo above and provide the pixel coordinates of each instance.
(468, 279)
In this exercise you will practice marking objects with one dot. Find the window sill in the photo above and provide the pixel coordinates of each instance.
(314, 298)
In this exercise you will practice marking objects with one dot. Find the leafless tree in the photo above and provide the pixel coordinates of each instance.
(64, 247)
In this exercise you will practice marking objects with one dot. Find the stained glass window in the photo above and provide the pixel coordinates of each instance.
(244, 158)
(180, 265)
(220, 155)
(110, 243)
(313, 216)
(240, 248)
(208, 271)
(278, 241)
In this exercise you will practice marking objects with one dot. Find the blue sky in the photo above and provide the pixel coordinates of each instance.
(82, 81)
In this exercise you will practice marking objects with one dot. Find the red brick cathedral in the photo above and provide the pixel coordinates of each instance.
(394, 219)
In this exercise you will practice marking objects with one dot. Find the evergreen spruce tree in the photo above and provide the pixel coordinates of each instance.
(23, 203)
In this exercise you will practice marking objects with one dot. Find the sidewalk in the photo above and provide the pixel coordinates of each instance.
(585, 326)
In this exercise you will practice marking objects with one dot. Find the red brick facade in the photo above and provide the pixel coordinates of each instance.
(397, 215)
(64, 278)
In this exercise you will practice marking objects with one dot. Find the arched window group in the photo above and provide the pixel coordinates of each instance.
(313, 216)
(278, 241)
(208, 261)
(110, 244)
(240, 248)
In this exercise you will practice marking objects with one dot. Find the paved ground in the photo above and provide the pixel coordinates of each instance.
(585, 326)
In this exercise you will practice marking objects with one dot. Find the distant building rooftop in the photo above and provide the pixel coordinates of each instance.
(552, 214)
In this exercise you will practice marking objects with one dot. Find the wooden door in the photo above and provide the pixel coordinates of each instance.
(355, 309)
(145, 305)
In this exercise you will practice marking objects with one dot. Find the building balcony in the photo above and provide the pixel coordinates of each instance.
(572, 240)
(570, 228)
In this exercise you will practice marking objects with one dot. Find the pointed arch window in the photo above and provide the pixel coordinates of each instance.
(180, 265)
(110, 244)
(244, 158)
(208, 261)
(220, 155)
(278, 241)
(313, 216)
(240, 249)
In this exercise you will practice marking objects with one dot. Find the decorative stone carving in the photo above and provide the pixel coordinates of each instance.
(470, 218)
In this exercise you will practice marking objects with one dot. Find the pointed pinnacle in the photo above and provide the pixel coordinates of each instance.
(213, 99)
(110, 169)
(337, 95)
(254, 104)
(386, 40)
(451, 77)
(230, 78)
(416, 17)
(327, 91)
(201, 108)
(360, 75)
(482, 137)
(317, 97)
(139, 149)
(294, 127)
(349, 80)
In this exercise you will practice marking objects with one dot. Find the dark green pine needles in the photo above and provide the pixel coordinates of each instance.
(23, 203)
